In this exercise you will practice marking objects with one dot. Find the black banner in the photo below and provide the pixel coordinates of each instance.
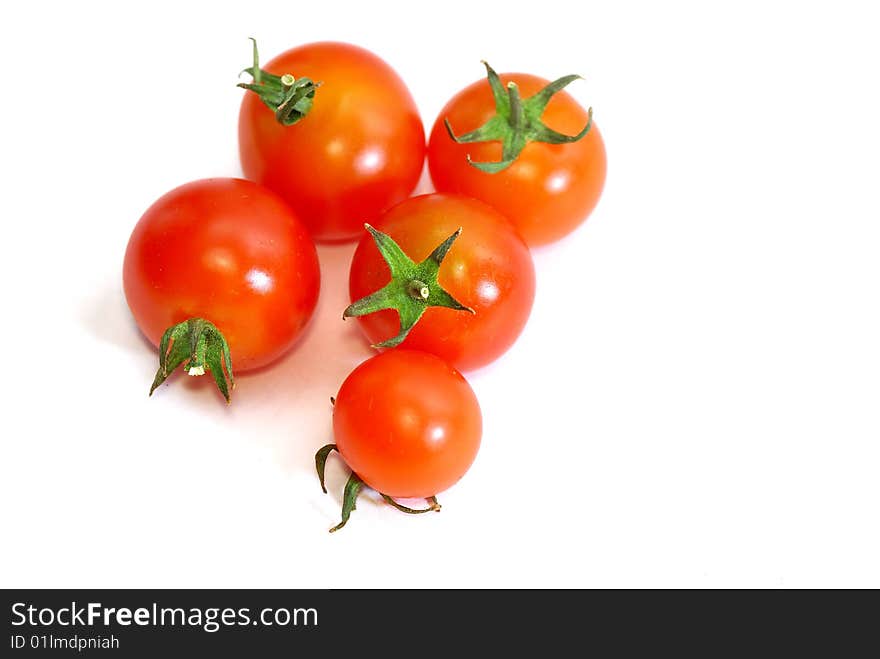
(263, 623)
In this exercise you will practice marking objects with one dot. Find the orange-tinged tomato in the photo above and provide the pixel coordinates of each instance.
(549, 189)
(407, 423)
(229, 251)
(359, 149)
(488, 268)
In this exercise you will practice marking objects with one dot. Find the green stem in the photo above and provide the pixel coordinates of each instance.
(288, 97)
(517, 116)
(418, 290)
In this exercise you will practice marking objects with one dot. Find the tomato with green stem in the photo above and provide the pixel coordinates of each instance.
(408, 425)
(524, 146)
(220, 271)
(444, 274)
(334, 130)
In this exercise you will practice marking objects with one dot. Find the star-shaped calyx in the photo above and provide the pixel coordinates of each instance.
(517, 121)
(412, 289)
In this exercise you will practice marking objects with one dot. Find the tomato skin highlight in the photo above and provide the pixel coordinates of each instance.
(549, 190)
(358, 151)
(407, 423)
(229, 251)
(489, 269)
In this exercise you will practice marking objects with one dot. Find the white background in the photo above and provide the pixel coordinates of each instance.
(693, 403)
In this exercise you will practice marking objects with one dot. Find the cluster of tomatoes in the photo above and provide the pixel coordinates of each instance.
(223, 272)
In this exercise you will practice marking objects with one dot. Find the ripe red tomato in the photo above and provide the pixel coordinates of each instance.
(407, 423)
(229, 251)
(488, 268)
(549, 189)
(358, 150)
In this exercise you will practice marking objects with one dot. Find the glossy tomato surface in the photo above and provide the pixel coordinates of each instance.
(407, 423)
(489, 269)
(549, 189)
(358, 151)
(229, 251)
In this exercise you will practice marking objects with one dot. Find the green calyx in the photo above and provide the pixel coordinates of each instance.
(517, 121)
(412, 289)
(288, 97)
(202, 346)
(353, 487)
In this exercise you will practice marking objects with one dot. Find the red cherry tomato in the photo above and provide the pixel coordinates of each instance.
(407, 423)
(549, 189)
(359, 149)
(229, 251)
(488, 268)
